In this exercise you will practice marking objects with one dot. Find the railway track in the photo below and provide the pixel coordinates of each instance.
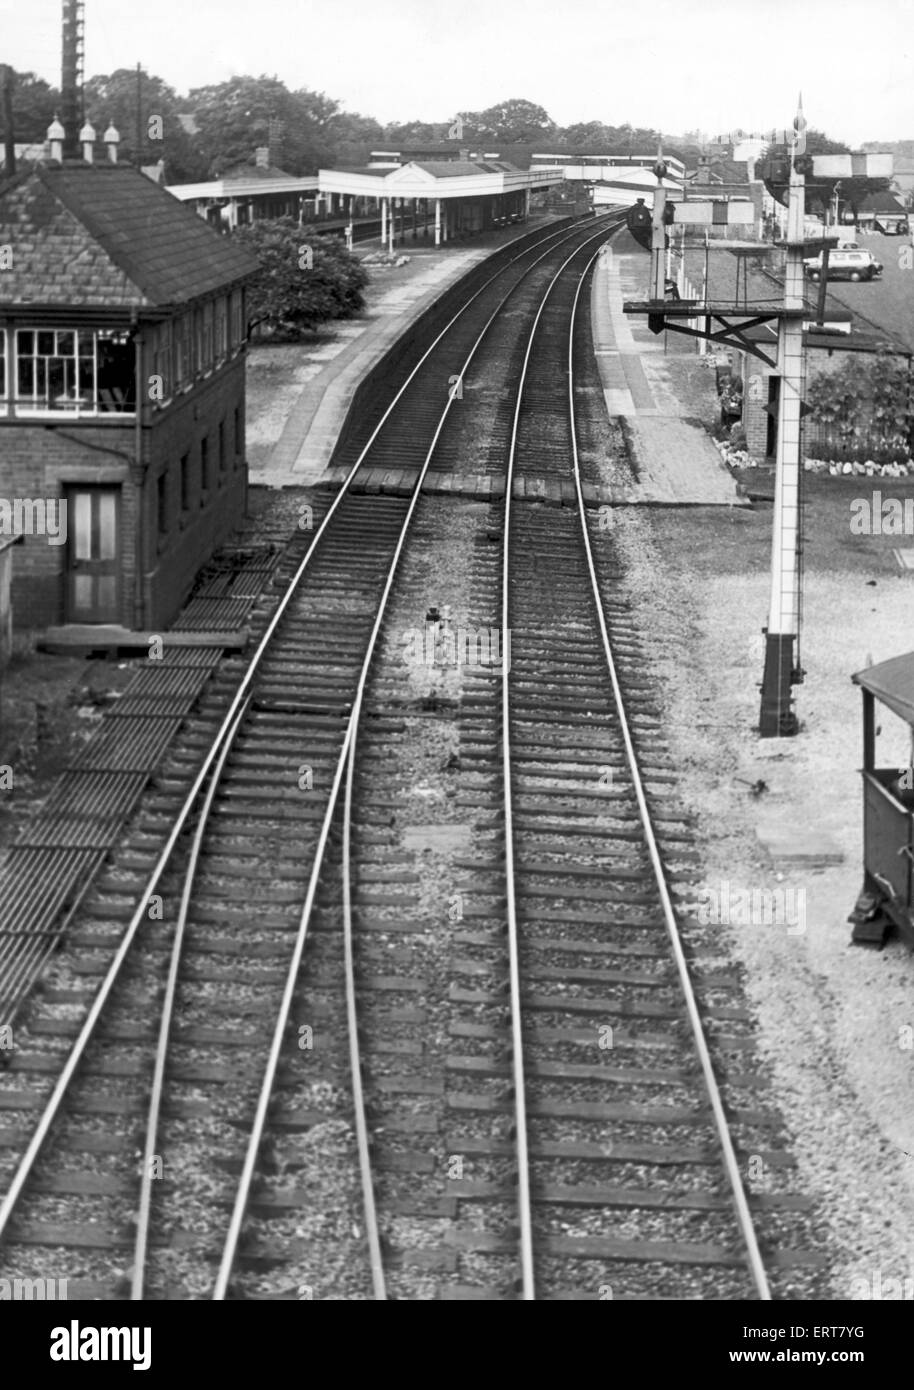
(578, 1143)
(299, 722)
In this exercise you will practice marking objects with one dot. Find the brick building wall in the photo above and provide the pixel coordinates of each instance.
(756, 375)
(6, 615)
(39, 460)
(185, 438)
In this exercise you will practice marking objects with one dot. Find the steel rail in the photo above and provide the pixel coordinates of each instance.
(345, 762)
(242, 694)
(362, 1137)
(525, 1218)
(731, 1162)
(171, 989)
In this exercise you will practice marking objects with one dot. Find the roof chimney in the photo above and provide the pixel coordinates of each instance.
(112, 139)
(262, 157)
(7, 78)
(87, 140)
(71, 77)
(56, 135)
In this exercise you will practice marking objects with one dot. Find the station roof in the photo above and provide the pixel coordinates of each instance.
(432, 178)
(892, 683)
(104, 236)
(246, 181)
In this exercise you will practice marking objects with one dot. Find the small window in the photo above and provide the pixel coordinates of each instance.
(162, 504)
(185, 482)
(204, 469)
(238, 448)
(221, 346)
(222, 458)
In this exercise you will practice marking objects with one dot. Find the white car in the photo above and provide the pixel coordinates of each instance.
(845, 263)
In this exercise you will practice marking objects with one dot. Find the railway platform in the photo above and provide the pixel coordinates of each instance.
(301, 454)
(674, 459)
(675, 462)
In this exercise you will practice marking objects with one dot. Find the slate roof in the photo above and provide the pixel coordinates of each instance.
(456, 168)
(102, 235)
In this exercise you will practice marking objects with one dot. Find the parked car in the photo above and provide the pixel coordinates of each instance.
(845, 263)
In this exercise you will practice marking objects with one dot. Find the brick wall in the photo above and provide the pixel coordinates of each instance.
(39, 460)
(755, 377)
(6, 616)
(172, 557)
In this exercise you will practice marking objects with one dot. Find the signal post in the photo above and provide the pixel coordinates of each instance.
(782, 670)
(726, 323)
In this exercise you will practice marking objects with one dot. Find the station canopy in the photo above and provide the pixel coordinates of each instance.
(458, 178)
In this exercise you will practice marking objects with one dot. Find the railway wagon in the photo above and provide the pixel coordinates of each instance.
(886, 901)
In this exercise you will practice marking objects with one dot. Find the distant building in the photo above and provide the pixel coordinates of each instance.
(882, 212)
(122, 391)
(250, 193)
(445, 199)
(903, 179)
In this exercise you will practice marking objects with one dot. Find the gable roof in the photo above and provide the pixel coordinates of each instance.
(103, 235)
(892, 682)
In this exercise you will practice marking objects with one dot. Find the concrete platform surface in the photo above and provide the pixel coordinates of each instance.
(675, 460)
(301, 454)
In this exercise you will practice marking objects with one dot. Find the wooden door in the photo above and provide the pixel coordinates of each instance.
(93, 554)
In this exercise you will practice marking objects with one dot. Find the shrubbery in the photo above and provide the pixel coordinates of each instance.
(863, 413)
(304, 280)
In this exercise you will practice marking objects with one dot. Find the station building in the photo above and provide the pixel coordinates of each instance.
(122, 391)
(441, 198)
(249, 194)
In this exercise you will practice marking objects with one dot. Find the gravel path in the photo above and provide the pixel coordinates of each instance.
(832, 1017)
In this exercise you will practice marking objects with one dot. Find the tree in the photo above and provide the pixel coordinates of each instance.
(585, 135)
(353, 137)
(118, 97)
(35, 103)
(303, 280)
(515, 120)
(233, 118)
(417, 133)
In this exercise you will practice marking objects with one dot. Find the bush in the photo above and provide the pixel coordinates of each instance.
(864, 412)
(304, 280)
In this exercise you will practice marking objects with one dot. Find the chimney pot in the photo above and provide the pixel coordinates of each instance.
(262, 157)
(112, 139)
(87, 140)
(56, 136)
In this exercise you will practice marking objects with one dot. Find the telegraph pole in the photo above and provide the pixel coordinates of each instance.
(782, 671)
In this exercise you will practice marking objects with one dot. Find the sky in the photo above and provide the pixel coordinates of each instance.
(676, 65)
